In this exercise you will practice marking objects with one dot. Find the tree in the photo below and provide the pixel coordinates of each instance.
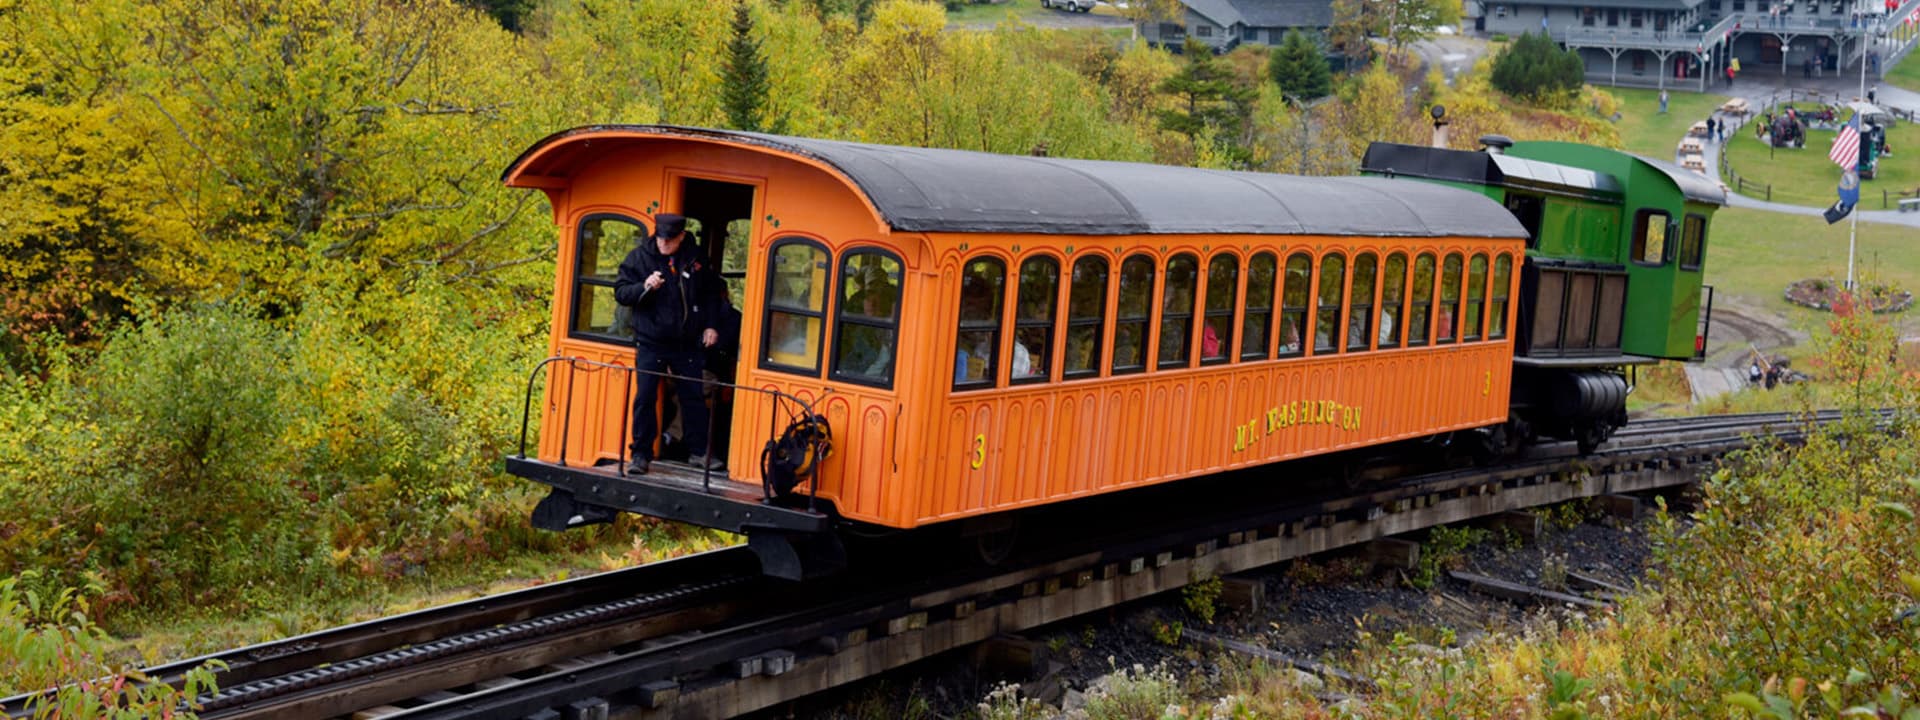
(1534, 68)
(1299, 68)
(1209, 101)
(1410, 21)
(745, 90)
(1354, 21)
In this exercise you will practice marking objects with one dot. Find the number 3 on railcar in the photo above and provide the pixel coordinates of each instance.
(935, 337)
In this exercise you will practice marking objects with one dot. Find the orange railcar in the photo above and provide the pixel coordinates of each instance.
(984, 333)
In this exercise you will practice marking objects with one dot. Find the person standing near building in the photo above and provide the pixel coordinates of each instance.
(676, 307)
(1663, 102)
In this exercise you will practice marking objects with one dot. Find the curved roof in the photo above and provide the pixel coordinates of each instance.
(1697, 187)
(929, 190)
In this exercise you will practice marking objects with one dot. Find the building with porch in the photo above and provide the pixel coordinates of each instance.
(1226, 24)
(1688, 44)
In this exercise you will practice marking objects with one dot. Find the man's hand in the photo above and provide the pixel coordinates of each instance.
(654, 281)
(708, 338)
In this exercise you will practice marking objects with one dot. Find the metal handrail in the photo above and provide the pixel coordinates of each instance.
(575, 364)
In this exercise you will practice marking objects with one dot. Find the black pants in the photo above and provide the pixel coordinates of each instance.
(646, 424)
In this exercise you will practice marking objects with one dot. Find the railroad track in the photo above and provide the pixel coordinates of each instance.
(704, 636)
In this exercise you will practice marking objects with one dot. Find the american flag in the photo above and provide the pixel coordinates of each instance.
(1846, 145)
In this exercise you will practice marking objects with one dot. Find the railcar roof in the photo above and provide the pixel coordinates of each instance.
(1486, 168)
(931, 190)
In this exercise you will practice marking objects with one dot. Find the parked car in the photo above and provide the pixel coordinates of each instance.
(1075, 5)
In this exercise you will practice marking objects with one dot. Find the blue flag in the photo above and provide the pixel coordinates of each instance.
(1849, 188)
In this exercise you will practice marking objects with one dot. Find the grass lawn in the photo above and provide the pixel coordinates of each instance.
(1906, 74)
(1645, 131)
(1754, 254)
(1806, 177)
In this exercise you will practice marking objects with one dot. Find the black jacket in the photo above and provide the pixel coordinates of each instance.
(672, 316)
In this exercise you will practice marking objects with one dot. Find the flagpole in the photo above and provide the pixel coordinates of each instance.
(1853, 227)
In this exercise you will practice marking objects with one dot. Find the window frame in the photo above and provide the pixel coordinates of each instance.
(579, 282)
(1696, 249)
(1300, 313)
(1146, 322)
(1498, 294)
(1458, 305)
(1207, 311)
(1474, 309)
(1162, 314)
(1098, 322)
(1430, 305)
(1400, 303)
(1268, 310)
(841, 320)
(1051, 323)
(1364, 312)
(999, 327)
(1338, 330)
(1639, 244)
(768, 308)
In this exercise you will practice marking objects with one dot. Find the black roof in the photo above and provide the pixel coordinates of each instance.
(1487, 169)
(929, 190)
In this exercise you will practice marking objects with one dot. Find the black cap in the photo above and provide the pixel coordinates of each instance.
(669, 225)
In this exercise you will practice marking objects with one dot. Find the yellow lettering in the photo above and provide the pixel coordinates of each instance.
(1239, 438)
(1273, 420)
(979, 451)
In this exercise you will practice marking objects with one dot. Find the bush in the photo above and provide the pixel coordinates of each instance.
(51, 642)
(1534, 68)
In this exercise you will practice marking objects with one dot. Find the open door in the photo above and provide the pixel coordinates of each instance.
(720, 219)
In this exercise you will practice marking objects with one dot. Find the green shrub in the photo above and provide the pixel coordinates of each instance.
(1535, 68)
(50, 642)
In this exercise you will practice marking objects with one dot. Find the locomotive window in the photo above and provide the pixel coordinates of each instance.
(869, 317)
(1421, 311)
(1333, 274)
(1693, 241)
(1086, 308)
(1360, 302)
(796, 307)
(1528, 209)
(1650, 237)
(1393, 287)
(1131, 318)
(1497, 304)
(600, 244)
(982, 285)
(1255, 338)
(1449, 299)
(1033, 319)
(1293, 304)
(1476, 293)
(1176, 311)
(1216, 332)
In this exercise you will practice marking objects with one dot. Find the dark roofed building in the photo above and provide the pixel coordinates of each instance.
(1225, 24)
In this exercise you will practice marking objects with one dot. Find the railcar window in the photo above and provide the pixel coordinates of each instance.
(1086, 310)
(1421, 311)
(1497, 304)
(1033, 319)
(1326, 326)
(1255, 343)
(1360, 302)
(1176, 311)
(982, 285)
(601, 242)
(1393, 291)
(796, 306)
(1449, 299)
(869, 318)
(1693, 242)
(1131, 317)
(1476, 295)
(1293, 304)
(1216, 331)
(1650, 237)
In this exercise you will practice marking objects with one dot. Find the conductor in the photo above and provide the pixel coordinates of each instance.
(676, 305)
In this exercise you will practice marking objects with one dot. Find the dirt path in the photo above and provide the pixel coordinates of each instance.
(1737, 326)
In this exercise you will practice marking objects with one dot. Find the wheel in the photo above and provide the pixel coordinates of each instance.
(1589, 437)
(993, 546)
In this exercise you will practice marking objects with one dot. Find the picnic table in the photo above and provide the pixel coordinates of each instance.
(1699, 129)
(1691, 146)
(1736, 106)
(1695, 162)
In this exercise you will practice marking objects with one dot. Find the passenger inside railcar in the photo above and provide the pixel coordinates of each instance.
(980, 293)
(871, 294)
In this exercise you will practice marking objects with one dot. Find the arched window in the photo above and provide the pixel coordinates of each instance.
(1086, 312)
(982, 285)
(1033, 320)
(796, 307)
(1256, 337)
(1293, 304)
(1135, 311)
(1476, 294)
(1216, 330)
(1449, 300)
(866, 331)
(1393, 292)
(1326, 324)
(1497, 306)
(1176, 311)
(1360, 302)
(602, 241)
(1420, 313)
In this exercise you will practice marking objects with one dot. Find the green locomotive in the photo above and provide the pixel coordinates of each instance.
(1612, 278)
